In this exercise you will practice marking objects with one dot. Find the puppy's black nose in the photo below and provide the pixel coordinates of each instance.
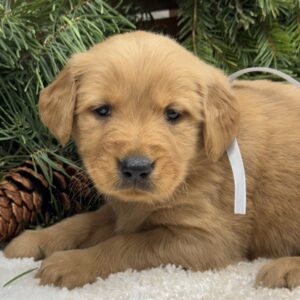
(136, 168)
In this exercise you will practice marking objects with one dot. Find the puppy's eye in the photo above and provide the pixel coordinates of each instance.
(103, 111)
(172, 115)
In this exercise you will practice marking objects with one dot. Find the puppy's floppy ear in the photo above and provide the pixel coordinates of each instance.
(221, 115)
(57, 104)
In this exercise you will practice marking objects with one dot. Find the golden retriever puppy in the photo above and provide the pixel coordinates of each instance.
(152, 124)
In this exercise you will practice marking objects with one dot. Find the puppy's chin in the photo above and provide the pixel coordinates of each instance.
(134, 194)
(140, 195)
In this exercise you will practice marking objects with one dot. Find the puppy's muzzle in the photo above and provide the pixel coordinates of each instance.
(135, 172)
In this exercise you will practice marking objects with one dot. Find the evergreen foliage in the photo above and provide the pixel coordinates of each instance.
(36, 39)
(235, 34)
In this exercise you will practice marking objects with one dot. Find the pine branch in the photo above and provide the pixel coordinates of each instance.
(36, 39)
(235, 34)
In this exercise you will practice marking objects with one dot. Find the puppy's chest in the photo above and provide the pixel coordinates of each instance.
(134, 217)
(130, 217)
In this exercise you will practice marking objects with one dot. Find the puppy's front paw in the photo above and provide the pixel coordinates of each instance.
(281, 273)
(31, 243)
(73, 268)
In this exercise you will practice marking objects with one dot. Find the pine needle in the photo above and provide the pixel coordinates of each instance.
(18, 276)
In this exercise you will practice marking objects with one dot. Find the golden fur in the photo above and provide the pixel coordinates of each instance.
(187, 218)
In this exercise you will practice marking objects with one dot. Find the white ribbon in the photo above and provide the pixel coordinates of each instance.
(238, 170)
(234, 153)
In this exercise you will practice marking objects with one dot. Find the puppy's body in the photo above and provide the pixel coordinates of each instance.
(270, 144)
(184, 214)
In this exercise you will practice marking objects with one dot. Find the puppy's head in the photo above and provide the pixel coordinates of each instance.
(141, 110)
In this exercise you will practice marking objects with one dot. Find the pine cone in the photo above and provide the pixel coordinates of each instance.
(25, 198)
(19, 204)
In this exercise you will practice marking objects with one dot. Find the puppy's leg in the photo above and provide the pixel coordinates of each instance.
(188, 248)
(282, 272)
(80, 231)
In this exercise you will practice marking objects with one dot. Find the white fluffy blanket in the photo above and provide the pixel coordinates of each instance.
(234, 282)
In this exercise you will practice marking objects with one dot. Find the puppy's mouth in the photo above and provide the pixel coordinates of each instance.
(136, 186)
(133, 192)
(134, 189)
